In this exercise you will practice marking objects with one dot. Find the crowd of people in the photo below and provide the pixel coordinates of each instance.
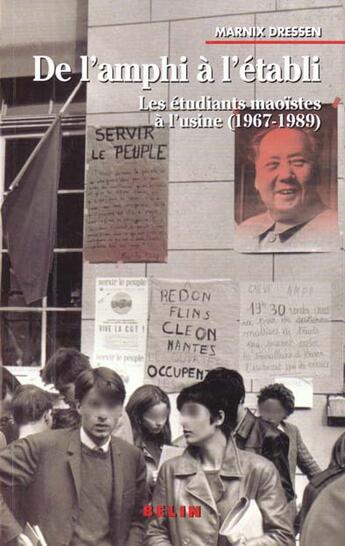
(87, 470)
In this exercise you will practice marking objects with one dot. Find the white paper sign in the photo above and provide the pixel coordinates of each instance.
(193, 328)
(285, 328)
(302, 388)
(121, 326)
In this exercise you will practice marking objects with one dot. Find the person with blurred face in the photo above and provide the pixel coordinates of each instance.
(275, 403)
(62, 370)
(83, 486)
(287, 179)
(149, 409)
(212, 474)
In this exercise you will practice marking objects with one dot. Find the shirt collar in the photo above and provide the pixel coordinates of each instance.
(86, 441)
(315, 207)
(245, 425)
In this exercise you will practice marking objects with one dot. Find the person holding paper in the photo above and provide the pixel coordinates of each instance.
(31, 408)
(253, 433)
(149, 409)
(214, 475)
(82, 486)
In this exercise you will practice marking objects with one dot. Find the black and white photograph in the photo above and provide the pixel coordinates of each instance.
(172, 309)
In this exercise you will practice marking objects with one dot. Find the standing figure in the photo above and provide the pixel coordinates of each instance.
(82, 486)
(325, 523)
(211, 476)
(276, 402)
(318, 482)
(62, 370)
(149, 409)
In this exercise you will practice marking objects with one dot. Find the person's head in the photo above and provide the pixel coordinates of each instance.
(232, 383)
(62, 370)
(275, 402)
(205, 412)
(338, 452)
(149, 409)
(9, 384)
(99, 394)
(32, 406)
(285, 171)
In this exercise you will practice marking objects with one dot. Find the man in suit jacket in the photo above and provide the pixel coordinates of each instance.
(82, 487)
(62, 370)
(276, 402)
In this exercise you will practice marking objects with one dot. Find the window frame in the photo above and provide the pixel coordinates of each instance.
(15, 128)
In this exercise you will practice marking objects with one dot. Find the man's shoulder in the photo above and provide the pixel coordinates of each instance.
(248, 232)
(258, 221)
(328, 214)
(326, 221)
(51, 437)
(125, 447)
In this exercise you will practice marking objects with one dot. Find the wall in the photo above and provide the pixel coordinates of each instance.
(202, 162)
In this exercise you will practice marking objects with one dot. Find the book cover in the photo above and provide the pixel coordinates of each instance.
(201, 147)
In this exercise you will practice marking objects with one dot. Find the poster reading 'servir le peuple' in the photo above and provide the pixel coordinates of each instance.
(172, 272)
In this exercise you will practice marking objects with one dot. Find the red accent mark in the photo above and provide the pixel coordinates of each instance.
(264, 42)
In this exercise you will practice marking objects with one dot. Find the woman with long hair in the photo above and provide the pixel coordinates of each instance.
(149, 409)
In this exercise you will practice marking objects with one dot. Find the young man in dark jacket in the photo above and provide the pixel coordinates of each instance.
(80, 486)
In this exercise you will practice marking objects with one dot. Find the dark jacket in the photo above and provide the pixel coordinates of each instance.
(182, 482)
(314, 488)
(299, 455)
(325, 523)
(247, 430)
(258, 436)
(47, 467)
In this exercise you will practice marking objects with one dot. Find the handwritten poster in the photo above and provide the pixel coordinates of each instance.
(285, 328)
(193, 327)
(121, 327)
(126, 194)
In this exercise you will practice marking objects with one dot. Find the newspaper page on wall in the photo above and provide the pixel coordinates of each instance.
(121, 327)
